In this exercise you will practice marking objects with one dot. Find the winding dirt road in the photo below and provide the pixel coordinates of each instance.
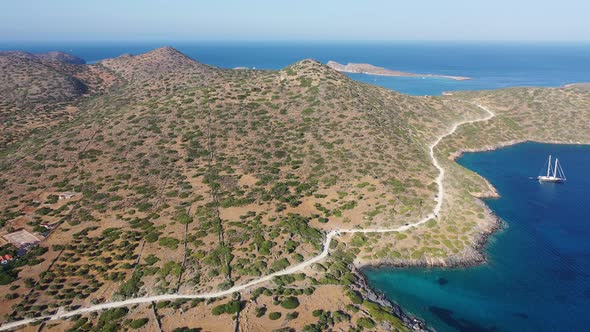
(295, 268)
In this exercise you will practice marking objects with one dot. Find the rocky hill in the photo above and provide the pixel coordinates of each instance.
(54, 56)
(35, 89)
(27, 81)
(182, 178)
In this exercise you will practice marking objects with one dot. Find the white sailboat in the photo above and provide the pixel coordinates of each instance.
(554, 174)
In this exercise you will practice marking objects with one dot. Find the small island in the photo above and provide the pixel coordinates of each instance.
(581, 85)
(369, 69)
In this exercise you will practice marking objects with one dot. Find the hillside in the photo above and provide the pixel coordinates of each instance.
(54, 56)
(189, 179)
(36, 88)
(28, 81)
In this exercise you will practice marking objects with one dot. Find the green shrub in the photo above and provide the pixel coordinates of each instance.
(184, 218)
(354, 297)
(274, 315)
(169, 242)
(231, 308)
(365, 322)
(382, 314)
(151, 259)
(260, 311)
(317, 313)
(292, 315)
(152, 237)
(110, 316)
(280, 264)
(135, 324)
(290, 302)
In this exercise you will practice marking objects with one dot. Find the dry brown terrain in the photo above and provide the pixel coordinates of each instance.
(191, 179)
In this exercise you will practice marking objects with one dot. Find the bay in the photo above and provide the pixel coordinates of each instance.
(538, 274)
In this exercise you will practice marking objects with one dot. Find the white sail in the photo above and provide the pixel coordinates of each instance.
(553, 175)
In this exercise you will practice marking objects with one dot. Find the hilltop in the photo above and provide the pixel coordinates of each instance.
(181, 178)
(55, 56)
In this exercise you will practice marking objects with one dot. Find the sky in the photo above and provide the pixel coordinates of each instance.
(175, 20)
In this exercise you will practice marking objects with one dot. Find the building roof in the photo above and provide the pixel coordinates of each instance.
(21, 238)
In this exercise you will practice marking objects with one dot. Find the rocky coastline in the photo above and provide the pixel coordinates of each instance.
(473, 256)
(497, 146)
(371, 294)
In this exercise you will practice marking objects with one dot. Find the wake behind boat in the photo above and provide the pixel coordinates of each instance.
(554, 174)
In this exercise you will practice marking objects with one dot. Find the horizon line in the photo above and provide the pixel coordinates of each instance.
(140, 40)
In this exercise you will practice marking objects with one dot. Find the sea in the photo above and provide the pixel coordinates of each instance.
(537, 277)
(491, 65)
(538, 273)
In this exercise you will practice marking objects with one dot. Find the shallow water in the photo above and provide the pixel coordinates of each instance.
(538, 275)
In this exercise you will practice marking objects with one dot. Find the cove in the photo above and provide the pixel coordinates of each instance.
(537, 277)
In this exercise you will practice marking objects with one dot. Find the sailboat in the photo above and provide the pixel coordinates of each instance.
(554, 174)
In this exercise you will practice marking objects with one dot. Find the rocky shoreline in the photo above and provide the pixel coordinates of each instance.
(473, 256)
(493, 147)
(371, 294)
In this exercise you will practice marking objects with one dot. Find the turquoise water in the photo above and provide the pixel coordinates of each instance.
(491, 65)
(538, 274)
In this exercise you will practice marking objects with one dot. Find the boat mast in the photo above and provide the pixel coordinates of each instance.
(555, 169)
(562, 172)
(549, 166)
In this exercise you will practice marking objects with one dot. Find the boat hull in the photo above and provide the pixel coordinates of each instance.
(552, 179)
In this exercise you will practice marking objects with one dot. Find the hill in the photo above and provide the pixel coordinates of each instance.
(183, 182)
(36, 87)
(54, 56)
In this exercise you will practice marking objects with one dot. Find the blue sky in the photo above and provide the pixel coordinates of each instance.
(566, 20)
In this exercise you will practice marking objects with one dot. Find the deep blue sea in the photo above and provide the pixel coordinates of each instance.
(538, 275)
(491, 65)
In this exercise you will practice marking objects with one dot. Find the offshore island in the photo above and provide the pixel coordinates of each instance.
(156, 192)
(365, 68)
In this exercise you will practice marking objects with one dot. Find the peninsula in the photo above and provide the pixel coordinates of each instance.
(365, 68)
(581, 85)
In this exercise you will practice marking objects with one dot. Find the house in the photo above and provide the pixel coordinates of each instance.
(5, 259)
(67, 195)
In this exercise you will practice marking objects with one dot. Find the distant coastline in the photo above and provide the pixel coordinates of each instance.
(581, 85)
(369, 69)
